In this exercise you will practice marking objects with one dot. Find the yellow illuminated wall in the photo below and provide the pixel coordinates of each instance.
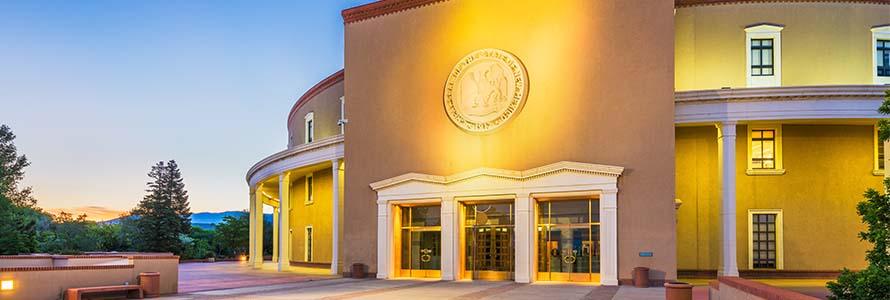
(828, 168)
(822, 43)
(317, 215)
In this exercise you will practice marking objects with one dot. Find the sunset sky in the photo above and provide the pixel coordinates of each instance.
(99, 91)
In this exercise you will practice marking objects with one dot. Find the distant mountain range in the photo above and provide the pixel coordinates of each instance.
(207, 220)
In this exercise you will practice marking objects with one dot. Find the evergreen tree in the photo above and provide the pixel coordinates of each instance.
(163, 214)
(18, 223)
(12, 170)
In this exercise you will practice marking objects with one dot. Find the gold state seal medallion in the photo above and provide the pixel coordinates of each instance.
(485, 89)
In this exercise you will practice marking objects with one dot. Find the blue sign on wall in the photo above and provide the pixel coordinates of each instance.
(645, 254)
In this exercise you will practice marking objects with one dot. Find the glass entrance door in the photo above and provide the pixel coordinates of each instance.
(568, 240)
(419, 241)
(488, 240)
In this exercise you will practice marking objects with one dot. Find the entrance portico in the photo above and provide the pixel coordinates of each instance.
(494, 212)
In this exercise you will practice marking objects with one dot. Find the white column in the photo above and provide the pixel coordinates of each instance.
(283, 222)
(335, 217)
(258, 229)
(726, 137)
(251, 249)
(449, 249)
(523, 229)
(384, 239)
(275, 233)
(609, 236)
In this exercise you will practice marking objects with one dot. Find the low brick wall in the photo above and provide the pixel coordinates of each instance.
(735, 288)
(45, 281)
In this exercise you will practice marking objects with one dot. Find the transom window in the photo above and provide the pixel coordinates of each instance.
(763, 149)
(764, 246)
(882, 57)
(761, 57)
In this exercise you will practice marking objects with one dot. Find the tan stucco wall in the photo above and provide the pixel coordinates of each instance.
(326, 109)
(50, 284)
(828, 168)
(822, 43)
(317, 215)
(600, 91)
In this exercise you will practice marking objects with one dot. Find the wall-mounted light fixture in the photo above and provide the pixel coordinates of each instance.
(6, 285)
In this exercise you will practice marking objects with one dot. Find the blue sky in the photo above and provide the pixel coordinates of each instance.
(98, 91)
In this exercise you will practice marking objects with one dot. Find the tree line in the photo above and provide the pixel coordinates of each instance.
(160, 222)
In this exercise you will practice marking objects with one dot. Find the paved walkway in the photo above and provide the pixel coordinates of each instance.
(195, 277)
(343, 288)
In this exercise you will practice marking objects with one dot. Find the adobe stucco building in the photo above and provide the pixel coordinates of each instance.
(576, 140)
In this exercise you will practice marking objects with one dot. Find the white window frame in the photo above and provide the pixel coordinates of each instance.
(877, 170)
(309, 131)
(343, 120)
(780, 237)
(764, 31)
(308, 243)
(780, 166)
(309, 189)
(880, 32)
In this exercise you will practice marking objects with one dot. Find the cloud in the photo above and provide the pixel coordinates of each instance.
(94, 213)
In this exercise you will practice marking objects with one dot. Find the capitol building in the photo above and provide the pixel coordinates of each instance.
(576, 140)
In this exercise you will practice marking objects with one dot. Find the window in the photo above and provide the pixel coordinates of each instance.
(879, 155)
(308, 244)
(309, 124)
(764, 55)
(765, 240)
(882, 58)
(765, 150)
(310, 186)
(880, 36)
(342, 121)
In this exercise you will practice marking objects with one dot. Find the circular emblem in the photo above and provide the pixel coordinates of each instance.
(485, 89)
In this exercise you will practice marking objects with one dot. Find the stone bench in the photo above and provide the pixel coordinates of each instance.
(130, 290)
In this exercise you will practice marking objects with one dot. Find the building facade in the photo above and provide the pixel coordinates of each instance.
(536, 141)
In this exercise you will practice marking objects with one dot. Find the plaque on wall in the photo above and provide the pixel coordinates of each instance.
(486, 89)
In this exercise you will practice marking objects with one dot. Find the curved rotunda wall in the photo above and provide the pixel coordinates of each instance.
(325, 107)
(823, 43)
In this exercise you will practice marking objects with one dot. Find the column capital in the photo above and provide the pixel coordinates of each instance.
(610, 191)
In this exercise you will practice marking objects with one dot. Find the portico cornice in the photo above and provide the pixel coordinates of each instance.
(603, 170)
(322, 150)
(779, 103)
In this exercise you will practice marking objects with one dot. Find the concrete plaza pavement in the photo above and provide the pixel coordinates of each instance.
(372, 289)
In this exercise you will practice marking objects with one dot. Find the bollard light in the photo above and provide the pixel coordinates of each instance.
(6, 285)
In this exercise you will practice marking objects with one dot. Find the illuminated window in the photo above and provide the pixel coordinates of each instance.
(762, 57)
(765, 241)
(309, 126)
(6, 285)
(310, 189)
(308, 243)
(763, 51)
(765, 150)
(880, 37)
(882, 57)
